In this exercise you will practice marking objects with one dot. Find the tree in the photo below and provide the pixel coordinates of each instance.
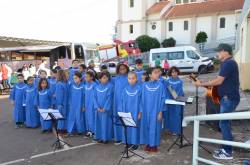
(201, 37)
(170, 42)
(146, 43)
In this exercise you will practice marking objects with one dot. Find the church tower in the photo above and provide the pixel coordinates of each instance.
(132, 18)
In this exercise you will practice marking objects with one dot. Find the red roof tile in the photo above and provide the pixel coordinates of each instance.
(212, 6)
(157, 7)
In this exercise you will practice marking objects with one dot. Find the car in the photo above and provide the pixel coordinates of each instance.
(186, 58)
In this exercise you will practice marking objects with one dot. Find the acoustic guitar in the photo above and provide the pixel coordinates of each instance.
(212, 92)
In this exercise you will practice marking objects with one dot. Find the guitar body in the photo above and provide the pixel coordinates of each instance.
(213, 94)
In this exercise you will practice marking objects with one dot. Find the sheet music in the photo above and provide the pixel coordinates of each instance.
(45, 116)
(127, 119)
(174, 102)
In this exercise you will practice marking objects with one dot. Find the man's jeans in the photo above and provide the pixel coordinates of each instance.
(227, 106)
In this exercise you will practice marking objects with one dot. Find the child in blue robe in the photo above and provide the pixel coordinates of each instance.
(89, 99)
(76, 116)
(16, 97)
(103, 109)
(82, 70)
(131, 103)
(31, 112)
(139, 69)
(52, 86)
(152, 105)
(61, 100)
(41, 74)
(173, 114)
(43, 100)
(120, 81)
(73, 70)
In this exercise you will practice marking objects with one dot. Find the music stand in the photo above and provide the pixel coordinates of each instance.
(179, 140)
(127, 121)
(54, 115)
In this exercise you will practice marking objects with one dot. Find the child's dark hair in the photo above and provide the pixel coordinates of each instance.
(173, 68)
(83, 66)
(75, 61)
(150, 70)
(54, 71)
(146, 76)
(40, 71)
(91, 74)
(119, 66)
(40, 83)
(20, 75)
(138, 61)
(30, 77)
(61, 76)
(159, 68)
(78, 74)
(104, 73)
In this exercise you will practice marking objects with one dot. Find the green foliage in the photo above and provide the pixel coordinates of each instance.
(201, 37)
(170, 42)
(146, 43)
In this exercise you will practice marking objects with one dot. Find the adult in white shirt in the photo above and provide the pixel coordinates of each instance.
(32, 69)
(9, 74)
(25, 72)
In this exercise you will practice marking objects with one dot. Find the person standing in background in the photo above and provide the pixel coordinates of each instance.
(9, 74)
(32, 69)
(4, 76)
(25, 73)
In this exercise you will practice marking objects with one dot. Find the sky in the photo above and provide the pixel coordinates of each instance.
(60, 20)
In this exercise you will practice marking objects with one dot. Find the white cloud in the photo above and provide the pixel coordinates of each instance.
(64, 20)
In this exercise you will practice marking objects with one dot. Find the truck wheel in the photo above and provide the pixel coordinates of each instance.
(202, 69)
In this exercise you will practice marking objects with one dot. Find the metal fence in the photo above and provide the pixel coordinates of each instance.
(197, 138)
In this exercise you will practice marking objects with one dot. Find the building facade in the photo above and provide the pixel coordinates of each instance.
(242, 47)
(180, 19)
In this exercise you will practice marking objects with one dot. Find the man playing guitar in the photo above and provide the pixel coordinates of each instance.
(227, 83)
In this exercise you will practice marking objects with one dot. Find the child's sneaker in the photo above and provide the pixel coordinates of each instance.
(117, 143)
(223, 155)
(134, 147)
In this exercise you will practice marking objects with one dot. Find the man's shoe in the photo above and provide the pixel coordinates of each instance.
(223, 155)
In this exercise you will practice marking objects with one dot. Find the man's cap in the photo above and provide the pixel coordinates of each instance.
(225, 47)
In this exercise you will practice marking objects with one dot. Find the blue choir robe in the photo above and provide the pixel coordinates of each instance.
(119, 83)
(131, 103)
(76, 116)
(139, 74)
(31, 111)
(72, 73)
(103, 120)
(16, 95)
(89, 106)
(83, 76)
(36, 81)
(61, 96)
(173, 113)
(43, 100)
(153, 99)
(52, 87)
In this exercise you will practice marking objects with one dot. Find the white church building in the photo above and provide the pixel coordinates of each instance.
(180, 19)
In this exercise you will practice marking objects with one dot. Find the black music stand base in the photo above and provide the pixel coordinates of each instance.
(58, 144)
(125, 153)
(180, 144)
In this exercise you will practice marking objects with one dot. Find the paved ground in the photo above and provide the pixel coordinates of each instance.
(29, 146)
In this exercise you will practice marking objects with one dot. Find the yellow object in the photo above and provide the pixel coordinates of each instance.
(122, 51)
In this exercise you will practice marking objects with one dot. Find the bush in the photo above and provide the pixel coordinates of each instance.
(146, 43)
(170, 42)
(201, 37)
